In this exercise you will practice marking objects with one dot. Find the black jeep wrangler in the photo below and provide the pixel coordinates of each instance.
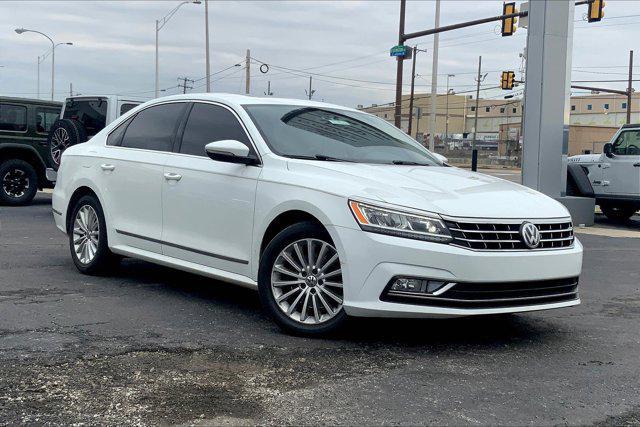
(24, 128)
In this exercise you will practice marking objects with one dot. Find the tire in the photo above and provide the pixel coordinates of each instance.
(18, 182)
(323, 313)
(618, 212)
(63, 134)
(92, 220)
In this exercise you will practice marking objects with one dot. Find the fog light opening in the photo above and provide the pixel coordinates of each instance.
(418, 286)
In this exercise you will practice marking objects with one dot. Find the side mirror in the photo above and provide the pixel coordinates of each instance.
(440, 157)
(230, 151)
(608, 150)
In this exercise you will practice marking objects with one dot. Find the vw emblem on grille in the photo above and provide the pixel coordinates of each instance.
(530, 235)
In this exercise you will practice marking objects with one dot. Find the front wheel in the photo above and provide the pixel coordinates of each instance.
(88, 237)
(300, 281)
(18, 182)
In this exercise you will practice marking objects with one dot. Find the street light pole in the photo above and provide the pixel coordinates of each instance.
(206, 31)
(53, 55)
(43, 57)
(160, 23)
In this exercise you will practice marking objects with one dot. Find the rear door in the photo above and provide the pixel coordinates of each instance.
(209, 205)
(621, 173)
(132, 174)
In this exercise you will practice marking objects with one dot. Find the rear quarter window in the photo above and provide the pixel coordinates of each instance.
(13, 118)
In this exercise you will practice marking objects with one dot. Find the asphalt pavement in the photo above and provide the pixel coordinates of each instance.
(150, 345)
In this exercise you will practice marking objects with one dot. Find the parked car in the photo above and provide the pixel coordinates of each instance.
(24, 126)
(615, 174)
(81, 118)
(330, 212)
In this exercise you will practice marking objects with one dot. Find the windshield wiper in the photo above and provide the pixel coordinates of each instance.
(408, 162)
(321, 157)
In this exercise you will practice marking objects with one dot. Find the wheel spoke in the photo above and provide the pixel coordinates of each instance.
(332, 284)
(329, 262)
(288, 294)
(290, 260)
(333, 273)
(331, 295)
(305, 306)
(296, 248)
(310, 253)
(282, 283)
(316, 315)
(323, 249)
(324, 303)
(281, 269)
(295, 303)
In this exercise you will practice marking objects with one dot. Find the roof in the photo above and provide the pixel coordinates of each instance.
(631, 125)
(31, 101)
(251, 100)
(116, 97)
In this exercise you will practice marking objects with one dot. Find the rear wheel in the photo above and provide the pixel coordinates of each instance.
(18, 182)
(618, 212)
(88, 237)
(300, 280)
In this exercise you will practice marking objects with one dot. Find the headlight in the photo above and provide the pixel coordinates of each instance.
(401, 224)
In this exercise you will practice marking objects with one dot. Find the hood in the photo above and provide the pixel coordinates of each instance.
(444, 190)
(585, 158)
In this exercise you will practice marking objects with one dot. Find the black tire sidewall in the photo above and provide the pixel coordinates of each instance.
(618, 213)
(28, 196)
(287, 236)
(103, 258)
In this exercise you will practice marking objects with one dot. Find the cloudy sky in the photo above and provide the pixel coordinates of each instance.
(344, 45)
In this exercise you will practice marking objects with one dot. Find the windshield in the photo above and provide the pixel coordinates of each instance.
(337, 135)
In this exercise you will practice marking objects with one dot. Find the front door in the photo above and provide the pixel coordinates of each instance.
(209, 205)
(621, 173)
(132, 174)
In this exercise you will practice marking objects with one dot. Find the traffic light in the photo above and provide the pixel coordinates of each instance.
(507, 80)
(509, 24)
(596, 10)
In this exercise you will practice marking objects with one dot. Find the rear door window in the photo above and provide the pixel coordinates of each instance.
(45, 118)
(13, 118)
(208, 123)
(92, 113)
(154, 128)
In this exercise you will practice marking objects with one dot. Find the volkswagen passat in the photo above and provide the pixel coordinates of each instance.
(328, 211)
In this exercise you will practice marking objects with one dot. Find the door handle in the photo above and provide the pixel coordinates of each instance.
(636, 165)
(172, 176)
(106, 167)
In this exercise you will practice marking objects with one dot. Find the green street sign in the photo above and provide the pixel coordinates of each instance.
(399, 50)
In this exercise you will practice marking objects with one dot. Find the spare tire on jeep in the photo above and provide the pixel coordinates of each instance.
(63, 134)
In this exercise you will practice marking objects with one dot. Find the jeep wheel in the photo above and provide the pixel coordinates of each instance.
(63, 134)
(18, 182)
(618, 212)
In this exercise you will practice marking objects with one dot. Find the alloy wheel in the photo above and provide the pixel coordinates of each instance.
(86, 234)
(15, 183)
(59, 143)
(306, 281)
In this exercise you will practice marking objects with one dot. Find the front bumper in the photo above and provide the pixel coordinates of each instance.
(371, 260)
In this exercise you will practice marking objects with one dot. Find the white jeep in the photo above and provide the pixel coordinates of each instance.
(81, 118)
(615, 174)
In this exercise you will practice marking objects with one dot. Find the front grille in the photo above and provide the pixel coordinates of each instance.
(501, 236)
(493, 295)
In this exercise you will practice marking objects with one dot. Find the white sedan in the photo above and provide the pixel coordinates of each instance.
(328, 211)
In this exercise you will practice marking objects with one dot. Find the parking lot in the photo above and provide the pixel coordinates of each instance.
(151, 345)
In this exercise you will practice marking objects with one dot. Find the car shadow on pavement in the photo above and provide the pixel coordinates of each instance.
(243, 305)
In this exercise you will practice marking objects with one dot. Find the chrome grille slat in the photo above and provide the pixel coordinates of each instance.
(505, 236)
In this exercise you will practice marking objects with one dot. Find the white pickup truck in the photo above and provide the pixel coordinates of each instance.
(81, 118)
(615, 174)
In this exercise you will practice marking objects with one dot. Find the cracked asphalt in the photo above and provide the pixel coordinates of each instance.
(150, 345)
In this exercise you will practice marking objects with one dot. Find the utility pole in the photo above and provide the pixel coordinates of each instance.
(629, 88)
(310, 92)
(474, 150)
(268, 92)
(184, 84)
(206, 32)
(446, 122)
(413, 79)
(70, 89)
(398, 109)
(247, 67)
(434, 80)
